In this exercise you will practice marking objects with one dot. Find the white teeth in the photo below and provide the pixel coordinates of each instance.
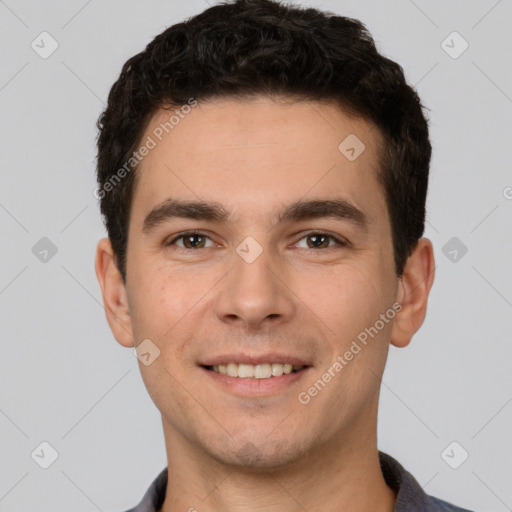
(277, 370)
(262, 371)
(245, 371)
(232, 369)
(258, 371)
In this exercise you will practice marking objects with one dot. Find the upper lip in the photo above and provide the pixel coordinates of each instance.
(254, 359)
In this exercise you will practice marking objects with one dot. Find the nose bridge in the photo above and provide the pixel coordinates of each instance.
(253, 290)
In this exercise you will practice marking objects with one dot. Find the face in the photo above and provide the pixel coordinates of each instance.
(286, 260)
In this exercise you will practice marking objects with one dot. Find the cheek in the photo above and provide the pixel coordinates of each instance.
(357, 300)
(161, 293)
(168, 307)
(351, 299)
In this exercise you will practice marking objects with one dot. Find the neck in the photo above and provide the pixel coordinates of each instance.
(344, 477)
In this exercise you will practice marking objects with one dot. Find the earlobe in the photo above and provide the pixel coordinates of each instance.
(413, 291)
(114, 294)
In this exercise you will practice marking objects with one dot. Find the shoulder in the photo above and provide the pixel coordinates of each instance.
(410, 495)
(153, 499)
(444, 506)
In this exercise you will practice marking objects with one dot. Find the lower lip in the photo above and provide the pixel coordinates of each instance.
(255, 387)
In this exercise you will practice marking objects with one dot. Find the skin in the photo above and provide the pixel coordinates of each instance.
(255, 157)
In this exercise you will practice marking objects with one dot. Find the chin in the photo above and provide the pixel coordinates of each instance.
(257, 456)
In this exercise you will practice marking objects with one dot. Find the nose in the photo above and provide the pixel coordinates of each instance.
(255, 293)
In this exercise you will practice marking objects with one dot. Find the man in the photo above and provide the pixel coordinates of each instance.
(263, 172)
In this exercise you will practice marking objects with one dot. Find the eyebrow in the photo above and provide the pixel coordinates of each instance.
(212, 211)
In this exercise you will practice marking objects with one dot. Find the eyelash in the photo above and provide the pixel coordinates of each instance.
(339, 241)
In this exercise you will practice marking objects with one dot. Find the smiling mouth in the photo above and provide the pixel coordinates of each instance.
(257, 371)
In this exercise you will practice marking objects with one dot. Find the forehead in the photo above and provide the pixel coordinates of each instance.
(238, 123)
(262, 151)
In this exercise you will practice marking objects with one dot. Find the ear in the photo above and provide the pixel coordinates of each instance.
(413, 291)
(114, 294)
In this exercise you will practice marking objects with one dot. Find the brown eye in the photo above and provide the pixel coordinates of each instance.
(318, 241)
(193, 241)
(190, 240)
(321, 241)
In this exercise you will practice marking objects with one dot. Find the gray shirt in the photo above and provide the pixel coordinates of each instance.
(410, 496)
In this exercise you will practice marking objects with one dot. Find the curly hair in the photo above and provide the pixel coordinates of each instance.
(263, 47)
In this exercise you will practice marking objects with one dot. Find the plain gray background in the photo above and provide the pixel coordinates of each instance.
(65, 380)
